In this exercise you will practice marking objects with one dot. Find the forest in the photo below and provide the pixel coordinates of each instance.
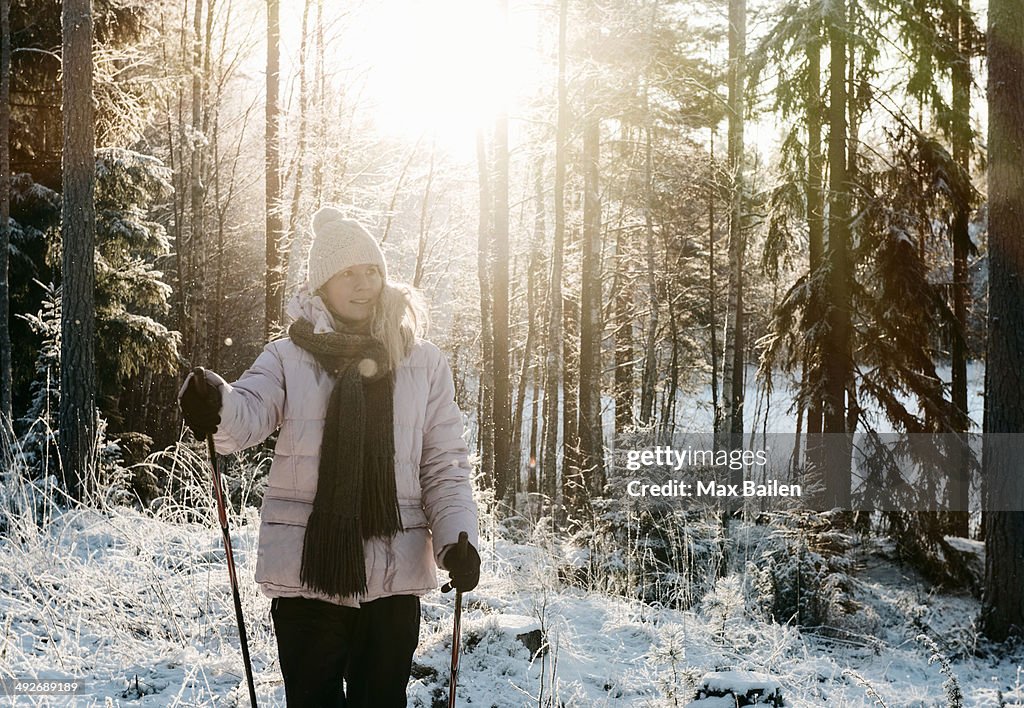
(788, 234)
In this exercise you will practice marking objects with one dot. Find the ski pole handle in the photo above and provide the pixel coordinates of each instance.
(461, 549)
(202, 385)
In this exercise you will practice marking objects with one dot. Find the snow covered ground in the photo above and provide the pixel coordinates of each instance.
(774, 412)
(137, 605)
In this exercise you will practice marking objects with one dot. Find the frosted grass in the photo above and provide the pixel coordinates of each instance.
(137, 603)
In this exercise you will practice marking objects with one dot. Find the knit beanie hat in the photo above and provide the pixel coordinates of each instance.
(339, 243)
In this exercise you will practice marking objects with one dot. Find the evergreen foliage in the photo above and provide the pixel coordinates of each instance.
(35, 75)
(130, 291)
(39, 424)
(905, 193)
(130, 295)
(35, 214)
(803, 572)
(899, 304)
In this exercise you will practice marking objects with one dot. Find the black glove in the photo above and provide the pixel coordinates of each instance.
(465, 572)
(200, 405)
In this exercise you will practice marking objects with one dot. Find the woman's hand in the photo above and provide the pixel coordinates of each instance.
(465, 571)
(200, 405)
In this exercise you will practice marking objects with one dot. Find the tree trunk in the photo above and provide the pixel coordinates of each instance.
(532, 485)
(484, 239)
(421, 248)
(650, 374)
(529, 358)
(837, 364)
(174, 163)
(211, 127)
(293, 242)
(197, 223)
(589, 426)
(574, 485)
(78, 234)
(502, 372)
(624, 379)
(208, 59)
(815, 227)
(960, 482)
(716, 406)
(5, 227)
(320, 91)
(668, 413)
(735, 344)
(274, 276)
(812, 355)
(1003, 602)
(553, 365)
(527, 363)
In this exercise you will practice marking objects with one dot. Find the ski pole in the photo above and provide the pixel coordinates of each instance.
(460, 553)
(218, 493)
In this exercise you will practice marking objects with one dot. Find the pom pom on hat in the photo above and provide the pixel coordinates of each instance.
(339, 243)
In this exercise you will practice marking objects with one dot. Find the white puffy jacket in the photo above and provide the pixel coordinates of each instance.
(286, 388)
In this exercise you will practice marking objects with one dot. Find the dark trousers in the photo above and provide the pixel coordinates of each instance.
(320, 644)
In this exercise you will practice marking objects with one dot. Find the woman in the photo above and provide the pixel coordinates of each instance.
(369, 487)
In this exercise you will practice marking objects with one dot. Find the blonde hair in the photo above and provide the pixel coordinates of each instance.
(401, 315)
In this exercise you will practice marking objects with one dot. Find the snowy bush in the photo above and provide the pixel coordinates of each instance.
(802, 571)
(661, 554)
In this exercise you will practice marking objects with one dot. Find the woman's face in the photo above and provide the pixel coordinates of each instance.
(353, 292)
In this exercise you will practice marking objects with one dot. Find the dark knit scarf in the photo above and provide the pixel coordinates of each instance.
(356, 498)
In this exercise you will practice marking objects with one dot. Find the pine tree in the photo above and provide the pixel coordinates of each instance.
(130, 293)
(78, 234)
(735, 339)
(6, 384)
(1003, 602)
(130, 296)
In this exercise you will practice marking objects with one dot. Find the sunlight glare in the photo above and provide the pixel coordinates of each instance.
(439, 68)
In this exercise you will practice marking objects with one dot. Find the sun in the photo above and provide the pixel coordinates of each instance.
(441, 68)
